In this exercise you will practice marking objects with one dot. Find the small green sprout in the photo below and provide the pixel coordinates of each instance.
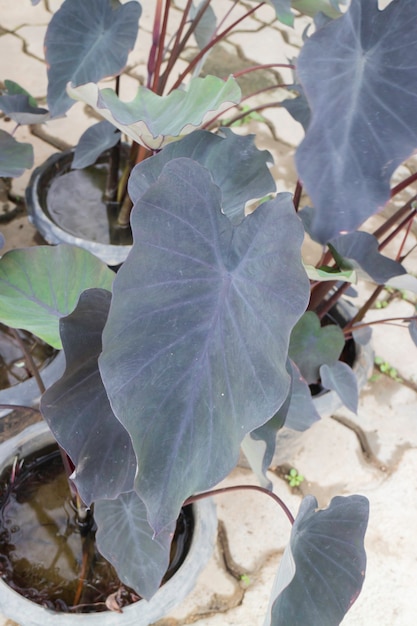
(385, 368)
(245, 579)
(294, 478)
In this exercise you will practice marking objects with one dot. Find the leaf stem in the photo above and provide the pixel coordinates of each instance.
(211, 44)
(34, 370)
(221, 490)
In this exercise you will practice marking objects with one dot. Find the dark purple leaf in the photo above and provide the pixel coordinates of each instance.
(359, 251)
(15, 157)
(298, 108)
(259, 445)
(20, 106)
(323, 568)
(340, 377)
(301, 412)
(125, 538)
(77, 409)
(362, 89)
(195, 347)
(94, 47)
(219, 154)
(93, 142)
(412, 328)
(206, 27)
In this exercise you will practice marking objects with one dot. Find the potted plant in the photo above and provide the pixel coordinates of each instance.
(188, 355)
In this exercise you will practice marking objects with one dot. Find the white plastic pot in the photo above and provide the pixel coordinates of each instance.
(142, 613)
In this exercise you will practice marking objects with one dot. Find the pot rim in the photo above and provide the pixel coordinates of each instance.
(141, 613)
(110, 254)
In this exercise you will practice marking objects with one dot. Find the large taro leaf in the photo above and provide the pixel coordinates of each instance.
(125, 538)
(153, 120)
(85, 42)
(40, 285)
(219, 154)
(15, 157)
(359, 251)
(313, 345)
(362, 89)
(78, 411)
(195, 347)
(323, 567)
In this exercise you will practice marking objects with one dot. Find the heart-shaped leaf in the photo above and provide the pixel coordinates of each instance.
(312, 345)
(197, 336)
(97, 44)
(154, 121)
(125, 538)
(93, 142)
(40, 285)
(238, 185)
(78, 411)
(323, 567)
(15, 157)
(362, 91)
(340, 377)
(359, 250)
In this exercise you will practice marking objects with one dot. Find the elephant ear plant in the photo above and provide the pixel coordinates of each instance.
(167, 373)
(198, 347)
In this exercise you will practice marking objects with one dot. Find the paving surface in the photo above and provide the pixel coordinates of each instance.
(373, 453)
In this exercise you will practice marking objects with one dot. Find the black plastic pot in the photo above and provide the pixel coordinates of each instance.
(75, 212)
(142, 613)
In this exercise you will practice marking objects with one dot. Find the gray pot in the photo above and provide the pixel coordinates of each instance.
(142, 613)
(37, 206)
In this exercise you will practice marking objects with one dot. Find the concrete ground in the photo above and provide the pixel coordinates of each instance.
(373, 453)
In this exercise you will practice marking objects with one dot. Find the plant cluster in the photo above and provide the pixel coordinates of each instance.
(208, 337)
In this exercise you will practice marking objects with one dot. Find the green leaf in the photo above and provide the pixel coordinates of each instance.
(312, 345)
(40, 285)
(360, 251)
(154, 121)
(312, 7)
(328, 273)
